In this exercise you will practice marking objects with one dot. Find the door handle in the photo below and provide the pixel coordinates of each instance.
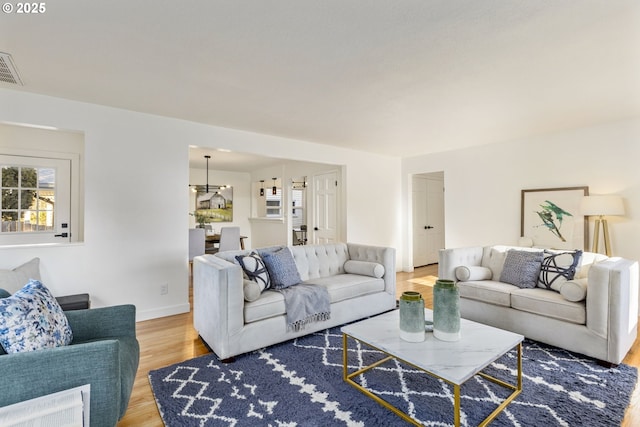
(315, 228)
(61, 235)
(428, 227)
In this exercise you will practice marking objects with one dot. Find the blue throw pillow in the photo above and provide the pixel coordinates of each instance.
(282, 268)
(4, 293)
(31, 319)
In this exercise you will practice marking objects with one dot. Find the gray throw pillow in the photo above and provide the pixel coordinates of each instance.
(522, 268)
(282, 268)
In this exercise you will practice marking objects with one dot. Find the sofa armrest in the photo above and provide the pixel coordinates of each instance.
(38, 373)
(449, 259)
(612, 303)
(218, 299)
(378, 254)
(103, 322)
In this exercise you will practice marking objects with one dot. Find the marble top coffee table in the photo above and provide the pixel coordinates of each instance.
(455, 362)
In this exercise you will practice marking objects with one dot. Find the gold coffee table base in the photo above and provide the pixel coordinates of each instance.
(348, 377)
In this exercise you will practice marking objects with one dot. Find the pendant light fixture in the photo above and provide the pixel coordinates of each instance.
(207, 187)
(274, 189)
(262, 187)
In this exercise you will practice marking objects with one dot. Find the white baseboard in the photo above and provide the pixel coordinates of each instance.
(162, 312)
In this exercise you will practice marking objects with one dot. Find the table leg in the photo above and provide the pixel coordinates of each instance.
(456, 405)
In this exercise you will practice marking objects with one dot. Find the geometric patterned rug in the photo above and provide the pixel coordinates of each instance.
(299, 383)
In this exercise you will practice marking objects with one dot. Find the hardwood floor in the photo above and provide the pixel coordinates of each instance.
(172, 339)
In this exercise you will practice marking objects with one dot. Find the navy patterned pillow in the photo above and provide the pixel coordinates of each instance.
(282, 268)
(521, 268)
(557, 268)
(254, 268)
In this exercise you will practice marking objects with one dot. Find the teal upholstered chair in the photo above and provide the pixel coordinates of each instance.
(104, 353)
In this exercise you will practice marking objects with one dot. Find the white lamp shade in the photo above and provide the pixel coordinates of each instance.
(602, 205)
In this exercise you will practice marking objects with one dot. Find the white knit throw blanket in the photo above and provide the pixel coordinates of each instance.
(305, 303)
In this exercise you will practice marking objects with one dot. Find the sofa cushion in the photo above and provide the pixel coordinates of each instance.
(344, 286)
(340, 287)
(521, 268)
(549, 304)
(282, 268)
(31, 319)
(467, 273)
(13, 280)
(255, 270)
(364, 268)
(489, 291)
(574, 290)
(558, 267)
(269, 304)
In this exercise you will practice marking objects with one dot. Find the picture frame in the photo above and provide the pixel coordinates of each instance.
(552, 218)
(214, 206)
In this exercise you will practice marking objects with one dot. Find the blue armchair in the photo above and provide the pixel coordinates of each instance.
(104, 353)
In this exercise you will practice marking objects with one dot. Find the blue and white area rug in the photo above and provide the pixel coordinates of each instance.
(299, 383)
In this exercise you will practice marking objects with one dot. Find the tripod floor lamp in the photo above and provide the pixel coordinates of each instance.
(602, 206)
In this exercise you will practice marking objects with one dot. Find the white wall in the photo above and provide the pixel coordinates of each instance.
(483, 184)
(136, 174)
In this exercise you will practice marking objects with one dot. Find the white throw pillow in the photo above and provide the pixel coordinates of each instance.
(574, 290)
(364, 268)
(468, 273)
(14, 280)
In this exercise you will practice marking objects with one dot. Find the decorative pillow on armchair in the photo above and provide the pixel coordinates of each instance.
(13, 280)
(521, 268)
(31, 319)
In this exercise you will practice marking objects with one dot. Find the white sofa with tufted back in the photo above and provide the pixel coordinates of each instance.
(231, 325)
(595, 314)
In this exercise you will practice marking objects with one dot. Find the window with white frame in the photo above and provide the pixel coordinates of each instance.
(36, 200)
(273, 204)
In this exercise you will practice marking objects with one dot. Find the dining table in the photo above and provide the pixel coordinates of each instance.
(215, 239)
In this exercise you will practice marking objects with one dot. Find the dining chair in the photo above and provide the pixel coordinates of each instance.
(196, 243)
(229, 239)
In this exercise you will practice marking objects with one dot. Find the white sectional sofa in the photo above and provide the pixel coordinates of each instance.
(595, 314)
(360, 279)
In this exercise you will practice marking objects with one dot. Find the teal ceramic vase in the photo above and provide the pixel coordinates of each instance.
(411, 316)
(446, 310)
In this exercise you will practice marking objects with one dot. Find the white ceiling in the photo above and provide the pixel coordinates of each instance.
(397, 77)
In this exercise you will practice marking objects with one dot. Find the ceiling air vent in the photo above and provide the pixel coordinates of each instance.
(8, 71)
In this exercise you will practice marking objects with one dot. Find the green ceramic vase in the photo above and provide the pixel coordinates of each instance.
(446, 310)
(411, 316)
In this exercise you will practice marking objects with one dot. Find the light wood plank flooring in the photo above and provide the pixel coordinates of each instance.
(172, 339)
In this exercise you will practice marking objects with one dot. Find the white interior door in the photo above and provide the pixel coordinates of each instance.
(428, 218)
(325, 208)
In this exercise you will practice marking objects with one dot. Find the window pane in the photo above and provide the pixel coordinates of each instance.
(46, 177)
(46, 200)
(9, 199)
(28, 178)
(27, 199)
(9, 176)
